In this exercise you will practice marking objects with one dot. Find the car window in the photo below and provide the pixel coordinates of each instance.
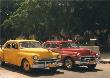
(30, 44)
(65, 45)
(69, 45)
(8, 45)
(54, 45)
(11, 45)
(46, 45)
(14, 46)
(50, 45)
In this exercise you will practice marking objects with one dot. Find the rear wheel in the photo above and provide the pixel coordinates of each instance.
(68, 63)
(2, 63)
(26, 66)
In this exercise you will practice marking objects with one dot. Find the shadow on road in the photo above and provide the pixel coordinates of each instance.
(84, 70)
(34, 73)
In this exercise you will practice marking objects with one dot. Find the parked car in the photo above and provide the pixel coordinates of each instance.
(72, 55)
(29, 54)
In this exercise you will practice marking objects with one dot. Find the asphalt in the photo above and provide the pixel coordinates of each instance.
(105, 57)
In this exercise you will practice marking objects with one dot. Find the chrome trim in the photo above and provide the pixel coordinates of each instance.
(85, 60)
(83, 63)
(41, 63)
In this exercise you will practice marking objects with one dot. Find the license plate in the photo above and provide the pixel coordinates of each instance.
(51, 65)
(92, 62)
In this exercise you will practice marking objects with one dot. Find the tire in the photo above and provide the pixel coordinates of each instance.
(26, 66)
(54, 69)
(91, 66)
(68, 63)
(2, 63)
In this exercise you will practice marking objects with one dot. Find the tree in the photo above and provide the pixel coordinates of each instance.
(28, 19)
(7, 7)
(45, 18)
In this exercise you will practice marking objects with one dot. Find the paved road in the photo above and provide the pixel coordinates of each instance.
(105, 55)
(101, 71)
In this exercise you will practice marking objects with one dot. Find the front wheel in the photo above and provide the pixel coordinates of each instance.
(26, 66)
(68, 63)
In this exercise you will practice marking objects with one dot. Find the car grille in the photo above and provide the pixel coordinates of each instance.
(43, 61)
(87, 58)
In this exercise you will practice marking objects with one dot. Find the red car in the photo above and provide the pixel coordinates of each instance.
(72, 55)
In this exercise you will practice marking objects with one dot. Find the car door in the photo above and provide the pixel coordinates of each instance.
(11, 52)
(14, 51)
(6, 51)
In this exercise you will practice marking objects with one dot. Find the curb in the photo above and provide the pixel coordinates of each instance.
(105, 61)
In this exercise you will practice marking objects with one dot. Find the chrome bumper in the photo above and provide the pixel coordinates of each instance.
(86, 60)
(47, 64)
(85, 63)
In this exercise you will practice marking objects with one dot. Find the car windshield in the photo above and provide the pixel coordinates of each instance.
(30, 44)
(69, 45)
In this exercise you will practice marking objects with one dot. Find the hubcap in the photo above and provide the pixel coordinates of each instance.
(26, 66)
(68, 63)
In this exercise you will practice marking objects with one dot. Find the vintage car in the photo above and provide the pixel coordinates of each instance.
(72, 55)
(29, 54)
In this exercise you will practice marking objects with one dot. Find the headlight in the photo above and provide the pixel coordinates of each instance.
(35, 57)
(59, 56)
(78, 55)
(98, 55)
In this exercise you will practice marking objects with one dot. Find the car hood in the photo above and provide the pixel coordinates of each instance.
(41, 52)
(82, 51)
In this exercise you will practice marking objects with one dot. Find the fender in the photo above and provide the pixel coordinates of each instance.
(65, 54)
(27, 56)
(1, 55)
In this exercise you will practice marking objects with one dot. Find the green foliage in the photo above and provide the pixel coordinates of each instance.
(43, 18)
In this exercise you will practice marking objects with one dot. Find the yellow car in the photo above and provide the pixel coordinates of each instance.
(29, 54)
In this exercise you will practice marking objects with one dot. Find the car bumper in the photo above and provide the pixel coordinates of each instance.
(46, 64)
(87, 61)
